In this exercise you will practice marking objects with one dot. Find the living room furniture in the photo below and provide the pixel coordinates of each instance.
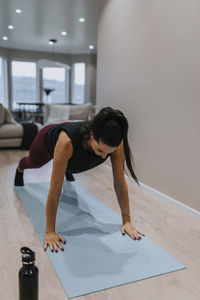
(25, 111)
(53, 113)
(57, 113)
(11, 132)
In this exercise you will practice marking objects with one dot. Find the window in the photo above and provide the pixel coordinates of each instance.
(23, 82)
(78, 83)
(1, 81)
(54, 79)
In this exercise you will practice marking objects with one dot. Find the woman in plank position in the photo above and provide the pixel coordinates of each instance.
(76, 147)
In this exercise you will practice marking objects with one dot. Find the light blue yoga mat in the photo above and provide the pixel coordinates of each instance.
(97, 256)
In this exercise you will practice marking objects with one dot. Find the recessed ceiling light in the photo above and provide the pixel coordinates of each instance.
(91, 47)
(11, 27)
(63, 33)
(81, 20)
(18, 11)
(4, 38)
(52, 41)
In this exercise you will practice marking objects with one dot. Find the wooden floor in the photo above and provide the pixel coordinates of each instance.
(171, 226)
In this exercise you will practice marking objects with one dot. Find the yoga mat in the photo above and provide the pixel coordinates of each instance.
(96, 256)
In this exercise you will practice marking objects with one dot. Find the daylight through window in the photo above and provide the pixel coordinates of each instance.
(1, 81)
(78, 87)
(23, 82)
(54, 79)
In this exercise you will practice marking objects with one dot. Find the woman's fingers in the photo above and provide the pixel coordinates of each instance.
(55, 247)
(52, 240)
(135, 236)
(51, 247)
(45, 246)
(131, 231)
(62, 239)
(141, 233)
(60, 246)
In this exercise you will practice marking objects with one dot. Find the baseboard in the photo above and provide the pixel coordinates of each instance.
(166, 197)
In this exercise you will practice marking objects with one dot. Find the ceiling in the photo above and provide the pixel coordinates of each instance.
(42, 20)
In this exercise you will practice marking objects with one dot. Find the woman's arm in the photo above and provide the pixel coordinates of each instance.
(121, 189)
(120, 185)
(62, 153)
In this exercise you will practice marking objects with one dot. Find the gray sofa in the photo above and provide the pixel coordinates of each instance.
(11, 132)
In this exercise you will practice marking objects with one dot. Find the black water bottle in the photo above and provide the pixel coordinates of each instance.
(28, 276)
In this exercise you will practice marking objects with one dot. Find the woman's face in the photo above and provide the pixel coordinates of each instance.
(100, 149)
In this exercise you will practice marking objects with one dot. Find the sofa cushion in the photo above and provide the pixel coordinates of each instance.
(8, 118)
(57, 113)
(80, 112)
(14, 142)
(11, 131)
(2, 113)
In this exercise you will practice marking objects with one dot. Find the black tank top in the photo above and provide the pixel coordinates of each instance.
(81, 159)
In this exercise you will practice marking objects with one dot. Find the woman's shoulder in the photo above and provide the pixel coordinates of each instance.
(65, 141)
(64, 136)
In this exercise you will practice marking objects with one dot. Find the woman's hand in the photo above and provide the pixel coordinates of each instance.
(52, 240)
(131, 231)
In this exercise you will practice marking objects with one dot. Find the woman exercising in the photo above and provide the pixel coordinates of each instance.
(76, 147)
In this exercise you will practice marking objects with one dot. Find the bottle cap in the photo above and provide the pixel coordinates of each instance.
(28, 255)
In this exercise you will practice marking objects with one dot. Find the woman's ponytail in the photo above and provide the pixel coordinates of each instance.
(119, 116)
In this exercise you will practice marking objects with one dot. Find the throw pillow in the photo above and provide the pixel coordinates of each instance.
(8, 118)
(80, 111)
(57, 113)
(1, 114)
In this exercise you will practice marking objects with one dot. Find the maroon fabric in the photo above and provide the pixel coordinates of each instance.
(38, 154)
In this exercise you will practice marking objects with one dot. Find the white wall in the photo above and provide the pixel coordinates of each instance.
(149, 67)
